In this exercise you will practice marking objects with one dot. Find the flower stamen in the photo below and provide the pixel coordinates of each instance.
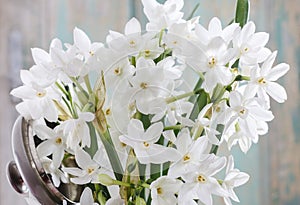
(58, 141)
(201, 179)
(41, 94)
(212, 62)
(262, 81)
(143, 85)
(186, 157)
(159, 190)
(146, 144)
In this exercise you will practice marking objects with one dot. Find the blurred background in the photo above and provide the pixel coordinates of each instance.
(274, 163)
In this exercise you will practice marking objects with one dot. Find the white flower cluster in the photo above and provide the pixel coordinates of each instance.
(144, 106)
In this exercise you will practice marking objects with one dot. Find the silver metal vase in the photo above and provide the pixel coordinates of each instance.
(26, 173)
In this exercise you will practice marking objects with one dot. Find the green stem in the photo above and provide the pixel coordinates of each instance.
(112, 154)
(88, 83)
(61, 89)
(182, 96)
(80, 87)
(121, 183)
(174, 127)
(69, 103)
(161, 33)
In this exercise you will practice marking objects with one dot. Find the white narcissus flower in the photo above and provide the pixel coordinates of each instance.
(215, 30)
(57, 175)
(117, 74)
(262, 79)
(205, 123)
(234, 178)
(84, 45)
(243, 138)
(251, 45)
(87, 197)
(54, 143)
(88, 170)
(175, 112)
(163, 190)
(37, 100)
(77, 130)
(200, 183)
(143, 143)
(191, 153)
(162, 16)
(149, 82)
(247, 111)
(132, 42)
(67, 63)
(213, 60)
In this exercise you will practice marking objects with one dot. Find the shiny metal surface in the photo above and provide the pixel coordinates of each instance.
(27, 174)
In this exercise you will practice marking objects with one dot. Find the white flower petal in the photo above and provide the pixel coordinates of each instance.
(215, 26)
(23, 92)
(81, 40)
(259, 39)
(278, 71)
(276, 91)
(133, 26)
(86, 116)
(82, 158)
(40, 56)
(87, 197)
(153, 133)
(135, 129)
(43, 132)
(45, 148)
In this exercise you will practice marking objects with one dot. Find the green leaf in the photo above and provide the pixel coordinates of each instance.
(242, 10)
(193, 12)
(214, 148)
(94, 144)
(101, 198)
(201, 101)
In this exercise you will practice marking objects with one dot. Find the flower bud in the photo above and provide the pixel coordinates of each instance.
(105, 180)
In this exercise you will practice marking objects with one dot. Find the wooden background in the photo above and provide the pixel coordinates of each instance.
(274, 163)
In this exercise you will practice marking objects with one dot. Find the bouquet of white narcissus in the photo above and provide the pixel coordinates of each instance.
(163, 101)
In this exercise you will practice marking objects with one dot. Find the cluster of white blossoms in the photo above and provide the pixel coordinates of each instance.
(165, 99)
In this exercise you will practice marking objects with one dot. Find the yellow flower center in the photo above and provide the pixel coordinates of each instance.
(186, 157)
(146, 144)
(132, 43)
(147, 53)
(58, 141)
(159, 190)
(212, 62)
(201, 178)
(91, 53)
(90, 170)
(107, 111)
(262, 81)
(41, 94)
(118, 71)
(143, 85)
